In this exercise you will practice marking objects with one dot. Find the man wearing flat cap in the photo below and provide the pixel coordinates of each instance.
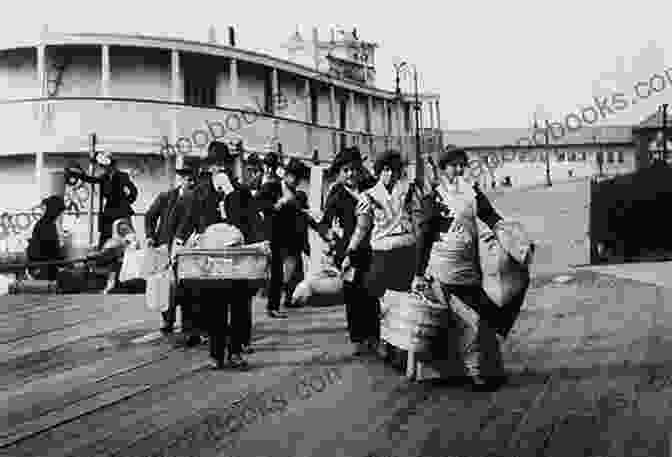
(162, 219)
(221, 200)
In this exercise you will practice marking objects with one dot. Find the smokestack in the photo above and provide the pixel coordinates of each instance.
(316, 50)
(212, 34)
(232, 36)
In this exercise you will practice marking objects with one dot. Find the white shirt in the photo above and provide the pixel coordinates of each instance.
(454, 256)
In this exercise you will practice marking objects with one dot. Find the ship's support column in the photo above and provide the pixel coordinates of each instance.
(332, 115)
(371, 127)
(44, 119)
(176, 97)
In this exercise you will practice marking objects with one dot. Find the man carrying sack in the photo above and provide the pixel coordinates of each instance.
(161, 222)
(222, 200)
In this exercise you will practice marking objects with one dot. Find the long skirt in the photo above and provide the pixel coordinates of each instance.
(393, 269)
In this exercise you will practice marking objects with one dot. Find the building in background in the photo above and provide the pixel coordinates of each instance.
(511, 154)
(154, 101)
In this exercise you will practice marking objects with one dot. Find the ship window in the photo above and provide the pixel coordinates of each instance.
(314, 104)
(389, 119)
(200, 82)
(407, 116)
(343, 114)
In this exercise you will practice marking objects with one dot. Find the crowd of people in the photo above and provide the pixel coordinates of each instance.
(393, 234)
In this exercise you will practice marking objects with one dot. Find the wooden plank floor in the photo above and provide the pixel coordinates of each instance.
(589, 364)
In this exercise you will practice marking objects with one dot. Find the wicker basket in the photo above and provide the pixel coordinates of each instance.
(236, 262)
(413, 323)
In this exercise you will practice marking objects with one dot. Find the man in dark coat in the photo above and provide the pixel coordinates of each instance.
(286, 208)
(222, 200)
(161, 222)
(118, 191)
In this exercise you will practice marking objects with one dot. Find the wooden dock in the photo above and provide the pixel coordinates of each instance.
(89, 375)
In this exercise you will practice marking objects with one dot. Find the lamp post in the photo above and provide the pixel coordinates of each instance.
(546, 150)
(600, 158)
(665, 132)
(419, 169)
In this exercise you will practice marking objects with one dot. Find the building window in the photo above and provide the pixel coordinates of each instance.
(572, 156)
(584, 156)
(559, 156)
(610, 156)
(621, 157)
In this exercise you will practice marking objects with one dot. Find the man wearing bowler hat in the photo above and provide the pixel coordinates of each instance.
(162, 220)
(221, 200)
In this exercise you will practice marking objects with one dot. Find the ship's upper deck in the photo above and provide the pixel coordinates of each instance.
(212, 49)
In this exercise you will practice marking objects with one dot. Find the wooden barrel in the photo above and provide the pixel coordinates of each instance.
(413, 323)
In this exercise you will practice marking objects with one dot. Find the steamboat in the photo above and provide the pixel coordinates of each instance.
(155, 102)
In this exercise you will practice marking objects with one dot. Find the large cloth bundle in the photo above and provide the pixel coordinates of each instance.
(218, 236)
(323, 285)
(506, 255)
(144, 262)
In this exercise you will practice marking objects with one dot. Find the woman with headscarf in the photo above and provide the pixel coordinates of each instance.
(384, 216)
(111, 257)
(46, 244)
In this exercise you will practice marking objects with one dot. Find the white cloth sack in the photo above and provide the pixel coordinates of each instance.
(218, 236)
(159, 291)
(141, 263)
(323, 285)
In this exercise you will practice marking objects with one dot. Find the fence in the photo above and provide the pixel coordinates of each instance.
(627, 216)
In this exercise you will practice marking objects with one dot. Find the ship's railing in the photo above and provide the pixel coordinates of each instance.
(131, 127)
(140, 126)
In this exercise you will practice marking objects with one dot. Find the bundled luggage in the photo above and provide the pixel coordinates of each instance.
(323, 285)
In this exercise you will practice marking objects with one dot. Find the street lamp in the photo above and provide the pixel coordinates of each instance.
(418, 153)
(665, 132)
(600, 156)
(547, 151)
(397, 69)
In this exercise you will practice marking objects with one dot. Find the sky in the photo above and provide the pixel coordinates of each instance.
(494, 64)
